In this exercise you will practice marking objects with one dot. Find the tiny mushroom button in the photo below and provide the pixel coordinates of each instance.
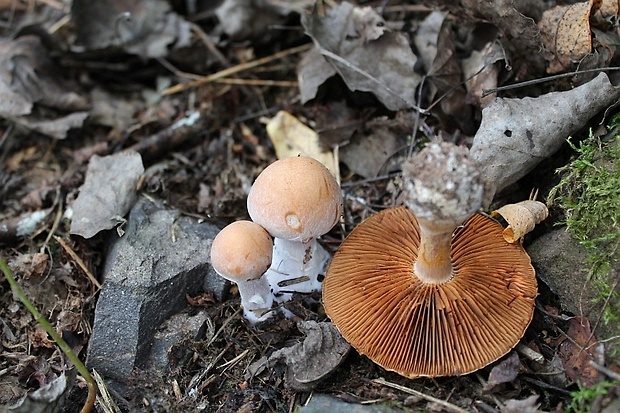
(241, 252)
(421, 292)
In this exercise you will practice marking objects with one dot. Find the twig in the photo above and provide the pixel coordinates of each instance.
(487, 92)
(608, 372)
(105, 400)
(78, 260)
(258, 82)
(407, 390)
(92, 387)
(530, 354)
(235, 69)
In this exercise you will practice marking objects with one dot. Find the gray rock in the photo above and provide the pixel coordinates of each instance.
(174, 330)
(147, 273)
(321, 403)
(561, 262)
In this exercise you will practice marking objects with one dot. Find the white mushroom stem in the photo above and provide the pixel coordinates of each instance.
(296, 267)
(256, 299)
(443, 187)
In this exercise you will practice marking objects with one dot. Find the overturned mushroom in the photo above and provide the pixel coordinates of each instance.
(432, 288)
(296, 200)
(241, 252)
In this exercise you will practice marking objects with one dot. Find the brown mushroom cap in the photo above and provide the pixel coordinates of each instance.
(295, 199)
(428, 330)
(241, 251)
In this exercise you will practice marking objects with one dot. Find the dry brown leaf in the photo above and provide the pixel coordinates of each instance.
(565, 31)
(522, 217)
(291, 137)
(577, 350)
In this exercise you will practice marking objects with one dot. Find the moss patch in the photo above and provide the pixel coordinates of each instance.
(589, 195)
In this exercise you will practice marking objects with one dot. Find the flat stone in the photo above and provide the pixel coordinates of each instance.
(147, 273)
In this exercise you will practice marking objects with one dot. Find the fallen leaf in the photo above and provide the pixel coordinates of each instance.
(509, 16)
(516, 134)
(313, 70)
(435, 38)
(577, 350)
(249, 19)
(368, 57)
(481, 73)
(108, 192)
(504, 372)
(291, 137)
(528, 405)
(522, 217)
(565, 32)
(56, 128)
(143, 27)
(306, 363)
(29, 79)
(369, 153)
(47, 399)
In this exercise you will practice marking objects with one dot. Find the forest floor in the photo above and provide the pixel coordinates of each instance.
(96, 79)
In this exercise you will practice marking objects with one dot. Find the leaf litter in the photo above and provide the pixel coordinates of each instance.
(374, 82)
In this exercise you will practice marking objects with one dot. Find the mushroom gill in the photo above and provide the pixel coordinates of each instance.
(417, 329)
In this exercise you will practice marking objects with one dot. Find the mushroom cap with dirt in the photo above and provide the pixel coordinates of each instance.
(427, 295)
(295, 199)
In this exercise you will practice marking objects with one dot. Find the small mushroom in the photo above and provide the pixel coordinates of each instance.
(241, 252)
(296, 200)
(432, 288)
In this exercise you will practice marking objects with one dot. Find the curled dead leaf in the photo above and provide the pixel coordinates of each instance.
(522, 217)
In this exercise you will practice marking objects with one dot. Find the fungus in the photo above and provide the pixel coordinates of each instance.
(296, 200)
(241, 252)
(431, 288)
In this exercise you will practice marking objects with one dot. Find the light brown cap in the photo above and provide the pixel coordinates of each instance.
(428, 330)
(241, 251)
(295, 199)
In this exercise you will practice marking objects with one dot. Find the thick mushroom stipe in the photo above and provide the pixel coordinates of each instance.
(419, 329)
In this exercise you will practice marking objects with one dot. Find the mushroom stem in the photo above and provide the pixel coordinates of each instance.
(256, 299)
(434, 263)
(296, 267)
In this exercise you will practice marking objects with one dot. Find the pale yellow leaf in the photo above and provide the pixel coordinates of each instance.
(291, 137)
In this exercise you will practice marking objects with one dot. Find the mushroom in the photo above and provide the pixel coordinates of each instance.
(431, 288)
(241, 252)
(296, 200)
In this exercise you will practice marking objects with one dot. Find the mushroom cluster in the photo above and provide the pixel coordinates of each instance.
(431, 288)
(295, 201)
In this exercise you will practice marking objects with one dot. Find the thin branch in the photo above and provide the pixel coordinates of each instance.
(235, 69)
(447, 405)
(487, 92)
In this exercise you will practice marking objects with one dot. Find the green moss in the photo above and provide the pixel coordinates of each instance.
(582, 399)
(589, 194)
